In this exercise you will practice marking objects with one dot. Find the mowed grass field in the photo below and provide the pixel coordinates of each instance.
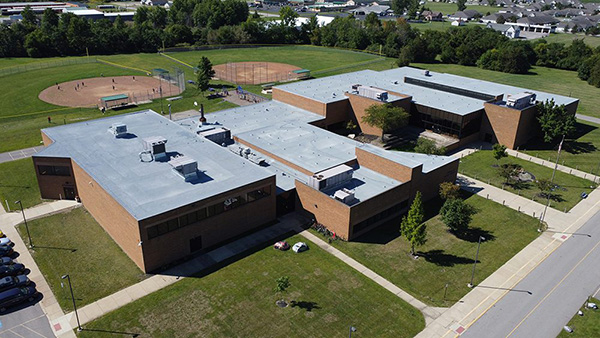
(566, 38)
(238, 300)
(74, 243)
(22, 114)
(557, 81)
(445, 258)
(449, 8)
(18, 182)
(585, 326)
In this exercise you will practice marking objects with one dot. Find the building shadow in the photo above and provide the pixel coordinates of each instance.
(440, 258)
(571, 145)
(304, 305)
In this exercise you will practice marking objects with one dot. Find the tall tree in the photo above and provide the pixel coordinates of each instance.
(204, 73)
(412, 226)
(457, 215)
(555, 120)
(461, 4)
(509, 170)
(283, 283)
(288, 16)
(499, 151)
(449, 190)
(385, 117)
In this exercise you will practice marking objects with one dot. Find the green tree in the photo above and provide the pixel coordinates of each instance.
(412, 226)
(509, 171)
(457, 215)
(500, 19)
(499, 151)
(283, 283)
(204, 73)
(410, 6)
(545, 186)
(288, 16)
(461, 4)
(385, 117)
(449, 190)
(427, 146)
(555, 120)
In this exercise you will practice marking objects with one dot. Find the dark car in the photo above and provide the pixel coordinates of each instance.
(11, 270)
(16, 296)
(10, 282)
(5, 250)
(6, 261)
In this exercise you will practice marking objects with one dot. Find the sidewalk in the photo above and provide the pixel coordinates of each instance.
(430, 313)
(63, 326)
(19, 154)
(8, 221)
(561, 226)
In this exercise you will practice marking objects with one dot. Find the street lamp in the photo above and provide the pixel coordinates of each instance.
(25, 221)
(352, 329)
(169, 105)
(73, 298)
(481, 238)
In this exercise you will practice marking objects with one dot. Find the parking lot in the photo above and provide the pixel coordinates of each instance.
(26, 320)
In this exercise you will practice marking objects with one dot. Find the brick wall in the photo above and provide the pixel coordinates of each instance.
(386, 167)
(504, 122)
(299, 101)
(52, 187)
(175, 245)
(47, 140)
(116, 221)
(359, 104)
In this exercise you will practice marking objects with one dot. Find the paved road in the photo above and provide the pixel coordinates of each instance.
(27, 321)
(544, 301)
(588, 118)
(19, 154)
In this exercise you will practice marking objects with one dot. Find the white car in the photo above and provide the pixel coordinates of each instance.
(5, 241)
(299, 247)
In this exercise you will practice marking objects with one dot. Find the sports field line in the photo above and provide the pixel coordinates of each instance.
(123, 66)
(44, 112)
(177, 60)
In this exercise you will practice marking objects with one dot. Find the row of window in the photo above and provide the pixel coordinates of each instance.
(54, 170)
(380, 216)
(211, 210)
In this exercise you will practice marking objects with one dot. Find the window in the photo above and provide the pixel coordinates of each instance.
(51, 170)
(152, 232)
(173, 224)
(260, 193)
(163, 228)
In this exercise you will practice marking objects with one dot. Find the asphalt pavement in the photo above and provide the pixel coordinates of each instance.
(544, 301)
(27, 320)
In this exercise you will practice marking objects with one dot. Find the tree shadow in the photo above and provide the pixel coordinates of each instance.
(439, 258)
(553, 196)
(304, 305)
(571, 145)
(520, 185)
(472, 235)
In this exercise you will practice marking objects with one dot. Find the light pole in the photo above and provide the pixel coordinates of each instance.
(169, 105)
(551, 185)
(481, 238)
(25, 221)
(352, 329)
(73, 298)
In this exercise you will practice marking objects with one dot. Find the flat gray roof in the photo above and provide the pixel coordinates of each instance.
(332, 89)
(148, 189)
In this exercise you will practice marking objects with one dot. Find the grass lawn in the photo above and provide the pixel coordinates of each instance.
(437, 25)
(238, 300)
(539, 78)
(567, 38)
(480, 165)
(445, 259)
(18, 182)
(73, 243)
(448, 8)
(581, 151)
(586, 326)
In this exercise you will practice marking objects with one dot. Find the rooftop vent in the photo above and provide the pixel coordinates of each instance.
(344, 195)
(156, 146)
(185, 167)
(426, 72)
(118, 130)
(331, 177)
(217, 135)
(247, 153)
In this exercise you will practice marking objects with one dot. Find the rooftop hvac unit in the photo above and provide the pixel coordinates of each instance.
(118, 129)
(344, 195)
(217, 135)
(156, 145)
(373, 93)
(185, 166)
(521, 100)
(331, 177)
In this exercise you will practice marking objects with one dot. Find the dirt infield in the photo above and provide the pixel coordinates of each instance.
(87, 92)
(255, 72)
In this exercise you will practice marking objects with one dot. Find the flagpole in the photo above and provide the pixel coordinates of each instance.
(551, 183)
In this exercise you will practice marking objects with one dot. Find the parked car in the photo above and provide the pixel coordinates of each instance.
(6, 241)
(6, 261)
(299, 247)
(281, 245)
(11, 270)
(2, 234)
(6, 250)
(10, 282)
(16, 296)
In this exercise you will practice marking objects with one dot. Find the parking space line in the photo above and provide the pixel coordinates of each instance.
(15, 333)
(34, 331)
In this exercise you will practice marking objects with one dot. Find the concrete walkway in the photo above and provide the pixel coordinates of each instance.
(561, 226)
(588, 118)
(65, 324)
(19, 154)
(430, 313)
(8, 221)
